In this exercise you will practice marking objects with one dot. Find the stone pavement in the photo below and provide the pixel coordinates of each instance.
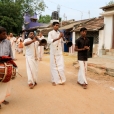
(100, 65)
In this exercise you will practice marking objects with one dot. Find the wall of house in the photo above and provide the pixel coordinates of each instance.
(108, 31)
(113, 34)
(101, 40)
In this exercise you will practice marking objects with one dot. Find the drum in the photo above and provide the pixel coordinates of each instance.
(7, 72)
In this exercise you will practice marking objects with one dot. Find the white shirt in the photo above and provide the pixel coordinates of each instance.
(55, 47)
(13, 42)
(31, 50)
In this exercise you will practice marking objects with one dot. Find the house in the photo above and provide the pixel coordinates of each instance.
(30, 21)
(70, 35)
(95, 27)
(31, 24)
(108, 33)
(71, 31)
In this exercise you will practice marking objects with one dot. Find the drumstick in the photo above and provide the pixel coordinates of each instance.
(19, 74)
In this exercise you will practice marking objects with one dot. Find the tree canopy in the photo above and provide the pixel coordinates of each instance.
(44, 19)
(111, 2)
(12, 11)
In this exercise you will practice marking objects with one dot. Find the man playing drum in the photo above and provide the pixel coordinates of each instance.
(5, 50)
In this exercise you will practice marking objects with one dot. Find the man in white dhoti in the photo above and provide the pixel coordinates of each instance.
(20, 44)
(56, 57)
(31, 46)
(5, 50)
(13, 44)
(40, 48)
(82, 46)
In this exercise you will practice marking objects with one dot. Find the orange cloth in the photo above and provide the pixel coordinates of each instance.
(20, 45)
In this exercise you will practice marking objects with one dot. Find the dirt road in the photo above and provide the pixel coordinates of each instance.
(61, 99)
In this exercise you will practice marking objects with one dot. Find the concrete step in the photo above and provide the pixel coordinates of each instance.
(108, 57)
(110, 73)
(77, 66)
(110, 53)
(111, 50)
(96, 70)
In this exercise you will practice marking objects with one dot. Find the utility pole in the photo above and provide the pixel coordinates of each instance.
(81, 15)
(89, 13)
(64, 16)
(58, 10)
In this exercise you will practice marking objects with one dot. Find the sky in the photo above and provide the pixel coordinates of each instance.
(75, 9)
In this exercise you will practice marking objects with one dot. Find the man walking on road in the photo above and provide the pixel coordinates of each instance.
(82, 46)
(55, 39)
(13, 44)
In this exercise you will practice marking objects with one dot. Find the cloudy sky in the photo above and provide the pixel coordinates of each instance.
(75, 9)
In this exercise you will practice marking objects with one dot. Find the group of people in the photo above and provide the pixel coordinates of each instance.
(55, 38)
(16, 44)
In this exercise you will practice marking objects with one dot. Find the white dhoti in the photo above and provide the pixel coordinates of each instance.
(5, 91)
(82, 72)
(13, 45)
(40, 51)
(32, 70)
(57, 69)
(13, 50)
(20, 50)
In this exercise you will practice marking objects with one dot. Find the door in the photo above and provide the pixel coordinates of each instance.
(90, 52)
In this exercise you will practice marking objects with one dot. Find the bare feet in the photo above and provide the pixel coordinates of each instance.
(84, 86)
(62, 83)
(5, 102)
(53, 83)
(79, 83)
(40, 59)
(31, 86)
(14, 59)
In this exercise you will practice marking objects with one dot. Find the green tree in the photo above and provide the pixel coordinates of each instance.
(111, 2)
(44, 19)
(11, 12)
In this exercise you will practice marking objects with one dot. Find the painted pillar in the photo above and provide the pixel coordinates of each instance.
(108, 31)
(71, 49)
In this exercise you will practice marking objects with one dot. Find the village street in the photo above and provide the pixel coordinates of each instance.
(61, 99)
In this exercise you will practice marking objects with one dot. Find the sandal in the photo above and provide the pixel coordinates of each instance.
(84, 86)
(5, 102)
(31, 86)
(53, 83)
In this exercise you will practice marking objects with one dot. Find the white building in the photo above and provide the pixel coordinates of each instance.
(108, 32)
